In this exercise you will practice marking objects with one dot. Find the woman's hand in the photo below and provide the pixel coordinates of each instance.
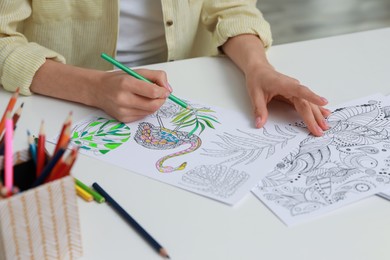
(264, 83)
(120, 95)
(127, 98)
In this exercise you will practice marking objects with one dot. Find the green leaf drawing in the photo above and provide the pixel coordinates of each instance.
(195, 118)
(100, 135)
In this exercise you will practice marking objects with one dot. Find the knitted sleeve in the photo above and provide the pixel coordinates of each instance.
(19, 59)
(229, 18)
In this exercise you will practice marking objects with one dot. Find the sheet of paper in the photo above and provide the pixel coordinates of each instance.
(223, 159)
(385, 194)
(351, 161)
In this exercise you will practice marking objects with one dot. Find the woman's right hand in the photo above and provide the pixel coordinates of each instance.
(128, 99)
(120, 95)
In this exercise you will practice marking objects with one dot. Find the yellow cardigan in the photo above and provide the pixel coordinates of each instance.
(76, 32)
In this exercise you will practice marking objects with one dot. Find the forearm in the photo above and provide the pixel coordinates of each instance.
(246, 51)
(67, 82)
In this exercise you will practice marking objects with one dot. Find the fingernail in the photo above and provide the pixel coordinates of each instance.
(324, 99)
(325, 124)
(320, 130)
(258, 122)
(167, 94)
(170, 87)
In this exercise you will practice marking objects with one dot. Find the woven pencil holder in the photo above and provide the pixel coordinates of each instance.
(39, 223)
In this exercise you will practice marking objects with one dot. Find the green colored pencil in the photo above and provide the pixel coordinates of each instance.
(96, 196)
(140, 77)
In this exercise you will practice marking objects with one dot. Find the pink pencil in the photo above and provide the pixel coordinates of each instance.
(8, 153)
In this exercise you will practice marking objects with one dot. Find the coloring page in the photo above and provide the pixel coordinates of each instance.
(351, 161)
(211, 151)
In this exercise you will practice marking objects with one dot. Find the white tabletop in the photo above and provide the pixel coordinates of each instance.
(190, 226)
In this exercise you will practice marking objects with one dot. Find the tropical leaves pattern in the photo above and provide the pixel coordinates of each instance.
(100, 135)
(246, 149)
(197, 118)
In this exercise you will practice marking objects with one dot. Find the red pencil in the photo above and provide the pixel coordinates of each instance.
(41, 156)
(17, 114)
(63, 169)
(9, 108)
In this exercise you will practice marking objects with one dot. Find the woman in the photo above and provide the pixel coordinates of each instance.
(53, 48)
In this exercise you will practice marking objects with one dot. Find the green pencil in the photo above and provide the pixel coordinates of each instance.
(140, 77)
(96, 196)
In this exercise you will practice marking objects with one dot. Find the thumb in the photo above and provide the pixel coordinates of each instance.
(261, 113)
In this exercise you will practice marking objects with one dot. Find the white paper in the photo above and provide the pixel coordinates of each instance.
(224, 163)
(351, 161)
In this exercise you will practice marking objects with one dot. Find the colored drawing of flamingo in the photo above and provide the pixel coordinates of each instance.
(161, 138)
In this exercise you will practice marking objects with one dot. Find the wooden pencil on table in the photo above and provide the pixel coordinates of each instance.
(83, 194)
(96, 196)
(140, 230)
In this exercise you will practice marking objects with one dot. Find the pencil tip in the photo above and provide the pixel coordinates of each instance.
(164, 253)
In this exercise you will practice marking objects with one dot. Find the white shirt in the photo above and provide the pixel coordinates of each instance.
(141, 38)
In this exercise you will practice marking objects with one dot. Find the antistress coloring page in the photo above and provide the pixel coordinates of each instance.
(207, 150)
(351, 161)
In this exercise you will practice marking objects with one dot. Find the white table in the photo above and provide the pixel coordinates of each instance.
(193, 227)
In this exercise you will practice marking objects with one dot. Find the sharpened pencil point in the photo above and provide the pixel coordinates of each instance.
(164, 253)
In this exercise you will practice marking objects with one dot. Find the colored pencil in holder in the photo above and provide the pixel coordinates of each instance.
(9, 108)
(48, 168)
(41, 153)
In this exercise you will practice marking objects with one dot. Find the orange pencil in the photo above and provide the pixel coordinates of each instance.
(64, 137)
(15, 119)
(41, 156)
(9, 108)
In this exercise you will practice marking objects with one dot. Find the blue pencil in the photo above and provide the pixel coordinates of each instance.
(32, 147)
(131, 221)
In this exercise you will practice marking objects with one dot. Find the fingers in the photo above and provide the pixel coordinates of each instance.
(158, 77)
(129, 115)
(312, 115)
(264, 84)
(146, 90)
(128, 99)
(260, 109)
(303, 92)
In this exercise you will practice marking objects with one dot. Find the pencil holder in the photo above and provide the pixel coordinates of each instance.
(39, 223)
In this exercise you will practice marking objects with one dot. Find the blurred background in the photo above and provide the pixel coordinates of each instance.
(299, 20)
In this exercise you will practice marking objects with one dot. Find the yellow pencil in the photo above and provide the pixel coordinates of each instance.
(83, 194)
